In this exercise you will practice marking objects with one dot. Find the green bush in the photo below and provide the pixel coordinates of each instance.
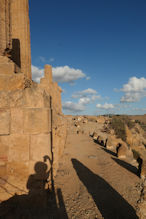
(119, 127)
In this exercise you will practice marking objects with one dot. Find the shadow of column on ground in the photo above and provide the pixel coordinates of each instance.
(109, 202)
(126, 165)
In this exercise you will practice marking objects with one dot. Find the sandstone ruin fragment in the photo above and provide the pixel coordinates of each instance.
(31, 121)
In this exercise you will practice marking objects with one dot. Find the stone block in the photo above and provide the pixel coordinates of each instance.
(33, 97)
(47, 100)
(4, 122)
(16, 98)
(16, 121)
(19, 170)
(122, 151)
(4, 99)
(36, 121)
(3, 174)
(3, 158)
(40, 145)
(4, 146)
(95, 136)
(113, 142)
(11, 99)
(102, 140)
(6, 68)
(12, 82)
(18, 148)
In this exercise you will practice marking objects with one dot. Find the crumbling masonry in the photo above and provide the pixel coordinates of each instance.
(31, 121)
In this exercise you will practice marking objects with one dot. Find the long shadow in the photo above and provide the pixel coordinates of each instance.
(109, 152)
(109, 202)
(126, 165)
(101, 143)
(40, 202)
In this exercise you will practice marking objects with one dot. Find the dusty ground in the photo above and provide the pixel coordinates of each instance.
(90, 183)
(94, 183)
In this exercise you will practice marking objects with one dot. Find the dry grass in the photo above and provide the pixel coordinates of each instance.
(118, 124)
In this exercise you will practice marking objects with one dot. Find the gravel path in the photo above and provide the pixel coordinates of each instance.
(94, 183)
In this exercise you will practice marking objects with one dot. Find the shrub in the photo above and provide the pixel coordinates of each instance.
(118, 124)
(142, 124)
(128, 122)
(136, 154)
(119, 127)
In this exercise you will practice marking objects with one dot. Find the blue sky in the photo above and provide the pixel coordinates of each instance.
(97, 49)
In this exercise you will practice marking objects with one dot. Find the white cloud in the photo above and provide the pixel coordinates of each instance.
(84, 97)
(132, 97)
(73, 107)
(135, 84)
(84, 100)
(105, 106)
(60, 74)
(134, 90)
(67, 74)
(76, 107)
(84, 93)
(37, 73)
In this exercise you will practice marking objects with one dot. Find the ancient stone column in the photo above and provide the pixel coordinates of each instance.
(48, 73)
(21, 52)
(5, 26)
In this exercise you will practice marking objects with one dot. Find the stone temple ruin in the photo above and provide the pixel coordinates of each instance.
(31, 121)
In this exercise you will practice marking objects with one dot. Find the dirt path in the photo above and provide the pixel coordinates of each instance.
(94, 183)
(90, 183)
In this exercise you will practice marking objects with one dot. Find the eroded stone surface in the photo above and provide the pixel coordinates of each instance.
(4, 122)
(32, 126)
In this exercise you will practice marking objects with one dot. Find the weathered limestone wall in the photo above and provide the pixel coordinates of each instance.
(24, 136)
(31, 127)
(58, 119)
